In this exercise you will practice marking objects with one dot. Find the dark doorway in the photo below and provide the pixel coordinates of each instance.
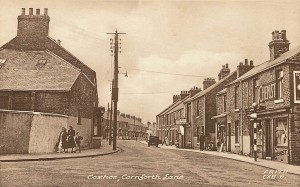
(229, 137)
(268, 138)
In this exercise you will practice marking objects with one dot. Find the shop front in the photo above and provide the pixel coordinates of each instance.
(272, 135)
(221, 129)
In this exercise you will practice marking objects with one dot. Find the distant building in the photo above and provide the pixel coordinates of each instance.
(38, 75)
(129, 127)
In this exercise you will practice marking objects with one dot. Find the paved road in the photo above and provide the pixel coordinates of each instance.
(126, 168)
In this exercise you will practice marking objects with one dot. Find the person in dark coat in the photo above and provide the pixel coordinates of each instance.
(71, 141)
(202, 139)
(78, 139)
(62, 140)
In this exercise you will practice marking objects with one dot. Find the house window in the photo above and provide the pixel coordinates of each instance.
(279, 83)
(79, 117)
(281, 132)
(237, 132)
(236, 97)
(224, 103)
(254, 90)
(198, 112)
(188, 114)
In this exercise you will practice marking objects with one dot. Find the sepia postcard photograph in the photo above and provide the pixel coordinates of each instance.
(138, 93)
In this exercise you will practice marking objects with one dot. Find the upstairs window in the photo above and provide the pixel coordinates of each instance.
(224, 103)
(197, 108)
(255, 96)
(279, 83)
(236, 97)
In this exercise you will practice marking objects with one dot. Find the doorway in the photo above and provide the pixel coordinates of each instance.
(229, 137)
(268, 138)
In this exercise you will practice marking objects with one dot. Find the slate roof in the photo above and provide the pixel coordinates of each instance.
(35, 70)
(269, 64)
(122, 119)
(202, 93)
(172, 106)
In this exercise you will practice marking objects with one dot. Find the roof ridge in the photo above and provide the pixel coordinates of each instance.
(63, 60)
(69, 53)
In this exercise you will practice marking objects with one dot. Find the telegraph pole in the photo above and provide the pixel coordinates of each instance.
(115, 88)
(110, 121)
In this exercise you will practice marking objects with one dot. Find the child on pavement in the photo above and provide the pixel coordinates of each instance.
(78, 139)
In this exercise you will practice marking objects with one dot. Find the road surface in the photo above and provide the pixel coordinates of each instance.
(139, 165)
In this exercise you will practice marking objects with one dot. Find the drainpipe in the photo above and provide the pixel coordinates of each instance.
(241, 118)
(192, 126)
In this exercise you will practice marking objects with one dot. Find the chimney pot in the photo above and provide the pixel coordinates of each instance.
(23, 11)
(37, 12)
(46, 11)
(251, 62)
(246, 62)
(59, 42)
(241, 63)
(30, 11)
(223, 66)
(226, 66)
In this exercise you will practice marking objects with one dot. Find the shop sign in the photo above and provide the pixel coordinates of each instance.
(267, 92)
(180, 121)
(297, 86)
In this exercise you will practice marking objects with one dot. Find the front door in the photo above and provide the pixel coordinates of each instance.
(268, 138)
(229, 137)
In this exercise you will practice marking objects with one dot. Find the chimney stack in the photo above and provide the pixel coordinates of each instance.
(194, 91)
(279, 44)
(224, 72)
(207, 82)
(184, 94)
(176, 98)
(33, 30)
(244, 68)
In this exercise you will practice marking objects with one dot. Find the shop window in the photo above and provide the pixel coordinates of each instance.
(279, 83)
(237, 132)
(236, 97)
(259, 139)
(281, 132)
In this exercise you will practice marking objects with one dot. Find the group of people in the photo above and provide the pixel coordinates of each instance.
(68, 140)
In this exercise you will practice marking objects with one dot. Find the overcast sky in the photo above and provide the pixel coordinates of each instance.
(183, 37)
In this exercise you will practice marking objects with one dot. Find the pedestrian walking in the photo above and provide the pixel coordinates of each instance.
(202, 140)
(71, 141)
(62, 141)
(78, 139)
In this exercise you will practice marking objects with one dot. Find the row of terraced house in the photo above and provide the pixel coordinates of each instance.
(129, 127)
(221, 111)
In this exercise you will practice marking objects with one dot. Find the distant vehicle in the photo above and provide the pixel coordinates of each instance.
(153, 140)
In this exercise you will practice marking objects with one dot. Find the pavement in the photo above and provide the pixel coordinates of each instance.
(105, 149)
(274, 165)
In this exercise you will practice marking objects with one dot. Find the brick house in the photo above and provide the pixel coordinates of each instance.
(203, 106)
(173, 122)
(37, 74)
(274, 87)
